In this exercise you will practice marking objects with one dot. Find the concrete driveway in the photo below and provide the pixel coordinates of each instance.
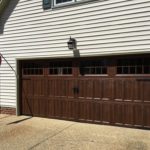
(25, 133)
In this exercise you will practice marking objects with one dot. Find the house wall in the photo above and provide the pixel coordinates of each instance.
(102, 27)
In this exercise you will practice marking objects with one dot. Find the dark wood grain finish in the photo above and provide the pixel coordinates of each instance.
(108, 99)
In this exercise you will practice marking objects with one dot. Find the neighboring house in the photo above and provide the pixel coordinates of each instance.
(104, 79)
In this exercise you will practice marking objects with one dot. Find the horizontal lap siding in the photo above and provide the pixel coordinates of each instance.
(100, 28)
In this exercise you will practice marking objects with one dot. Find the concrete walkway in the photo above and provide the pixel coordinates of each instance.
(25, 133)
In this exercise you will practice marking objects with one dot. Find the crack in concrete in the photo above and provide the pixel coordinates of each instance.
(49, 137)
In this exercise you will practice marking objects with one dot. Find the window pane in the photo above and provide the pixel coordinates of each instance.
(147, 69)
(119, 70)
(132, 70)
(133, 66)
(93, 67)
(62, 1)
(125, 70)
(60, 68)
(139, 70)
(46, 2)
(32, 69)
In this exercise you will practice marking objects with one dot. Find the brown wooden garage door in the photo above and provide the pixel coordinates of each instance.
(100, 90)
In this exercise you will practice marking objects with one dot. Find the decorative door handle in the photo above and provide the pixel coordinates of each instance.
(75, 90)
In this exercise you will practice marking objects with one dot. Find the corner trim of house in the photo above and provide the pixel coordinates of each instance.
(17, 89)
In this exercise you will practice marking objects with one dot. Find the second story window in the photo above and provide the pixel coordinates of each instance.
(47, 4)
(59, 2)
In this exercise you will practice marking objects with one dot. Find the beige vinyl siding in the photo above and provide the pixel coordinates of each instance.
(102, 27)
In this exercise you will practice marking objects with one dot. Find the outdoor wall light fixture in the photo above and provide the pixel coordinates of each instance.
(72, 44)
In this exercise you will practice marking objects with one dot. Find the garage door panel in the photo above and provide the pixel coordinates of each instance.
(97, 89)
(146, 115)
(65, 109)
(28, 104)
(58, 108)
(98, 111)
(106, 112)
(51, 88)
(55, 88)
(36, 108)
(123, 113)
(128, 114)
(38, 87)
(60, 88)
(50, 109)
(142, 93)
(128, 88)
(42, 106)
(68, 86)
(33, 96)
(59, 91)
(118, 113)
(118, 90)
(138, 114)
(90, 110)
(81, 110)
(146, 91)
(69, 109)
(27, 95)
(86, 110)
(138, 96)
(27, 87)
(88, 88)
(107, 89)
(82, 88)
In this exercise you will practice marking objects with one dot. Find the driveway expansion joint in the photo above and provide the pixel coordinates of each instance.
(51, 136)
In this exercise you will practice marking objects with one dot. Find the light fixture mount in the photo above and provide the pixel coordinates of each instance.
(72, 43)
